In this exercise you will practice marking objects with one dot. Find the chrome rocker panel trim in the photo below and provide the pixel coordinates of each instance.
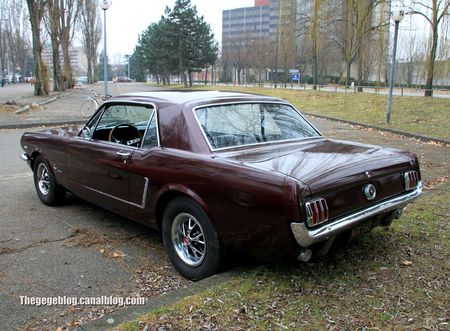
(306, 237)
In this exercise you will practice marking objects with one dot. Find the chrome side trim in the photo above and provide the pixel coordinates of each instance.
(306, 237)
(144, 195)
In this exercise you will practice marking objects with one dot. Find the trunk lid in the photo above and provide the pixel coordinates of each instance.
(333, 169)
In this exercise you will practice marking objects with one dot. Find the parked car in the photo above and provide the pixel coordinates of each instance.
(218, 172)
(122, 80)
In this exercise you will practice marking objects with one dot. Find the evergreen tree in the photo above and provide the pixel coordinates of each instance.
(181, 42)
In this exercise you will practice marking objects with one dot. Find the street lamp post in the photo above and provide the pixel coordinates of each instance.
(397, 15)
(104, 5)
(128, 64)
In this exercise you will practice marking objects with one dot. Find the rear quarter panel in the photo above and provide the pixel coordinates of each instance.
(250, 209)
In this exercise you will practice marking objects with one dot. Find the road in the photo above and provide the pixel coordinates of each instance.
(69, 250)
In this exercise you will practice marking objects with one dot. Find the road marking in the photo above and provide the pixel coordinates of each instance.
(16, 176)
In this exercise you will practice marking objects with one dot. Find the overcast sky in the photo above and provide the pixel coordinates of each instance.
(126, 19)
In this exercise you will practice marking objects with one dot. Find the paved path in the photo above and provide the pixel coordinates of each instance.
(15, 92)
(64, 109)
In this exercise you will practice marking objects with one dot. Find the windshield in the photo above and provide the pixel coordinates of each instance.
(234, 125)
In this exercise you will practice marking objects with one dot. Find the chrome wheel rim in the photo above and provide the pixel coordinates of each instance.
(188, 239)
(43, 179)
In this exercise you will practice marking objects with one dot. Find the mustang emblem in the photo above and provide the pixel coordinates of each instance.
(370, 192)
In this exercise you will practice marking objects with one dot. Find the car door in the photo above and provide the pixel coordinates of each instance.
(98, 161)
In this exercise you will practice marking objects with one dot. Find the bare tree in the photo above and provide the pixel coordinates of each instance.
(434, 14)
(36, 11)
(53, 27)
(14, 30)
(91, 35)
(68, 15)
(310, 28)
(3, 39)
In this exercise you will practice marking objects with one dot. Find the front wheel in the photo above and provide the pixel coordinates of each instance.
(48, 191)
(88, 108)
(190, 240)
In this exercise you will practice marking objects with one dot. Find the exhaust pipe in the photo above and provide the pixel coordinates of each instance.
(305, 255)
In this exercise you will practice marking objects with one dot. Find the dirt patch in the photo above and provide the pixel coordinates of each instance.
(9, 108)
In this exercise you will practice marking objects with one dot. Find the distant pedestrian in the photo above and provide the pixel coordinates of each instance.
(3, 82)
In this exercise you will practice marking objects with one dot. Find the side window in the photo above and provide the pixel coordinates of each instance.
(151, 136)
(122, 124)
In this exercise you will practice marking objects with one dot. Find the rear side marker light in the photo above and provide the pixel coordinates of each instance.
(410, 178)
(316, 211)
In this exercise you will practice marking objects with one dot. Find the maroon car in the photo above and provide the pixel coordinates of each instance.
(218, 171)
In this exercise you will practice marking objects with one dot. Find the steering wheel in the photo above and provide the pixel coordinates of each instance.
(131, 137)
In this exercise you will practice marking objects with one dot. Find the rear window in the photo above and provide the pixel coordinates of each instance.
(226, 126)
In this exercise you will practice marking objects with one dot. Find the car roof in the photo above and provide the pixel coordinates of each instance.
(199, 97)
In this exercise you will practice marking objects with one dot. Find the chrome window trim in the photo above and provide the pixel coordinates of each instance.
(251, 102)
(108, 103)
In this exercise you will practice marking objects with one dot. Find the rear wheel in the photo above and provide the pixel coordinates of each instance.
(190, 239)
(48, 191)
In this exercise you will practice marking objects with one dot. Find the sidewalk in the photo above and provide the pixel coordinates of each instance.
(65, 109)
(52, 108)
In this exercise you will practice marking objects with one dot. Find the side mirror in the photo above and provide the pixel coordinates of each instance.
(87, 132)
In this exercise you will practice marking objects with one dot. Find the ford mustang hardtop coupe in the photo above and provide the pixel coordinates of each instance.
(217, 172)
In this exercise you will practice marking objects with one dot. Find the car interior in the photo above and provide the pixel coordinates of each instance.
(124, 124)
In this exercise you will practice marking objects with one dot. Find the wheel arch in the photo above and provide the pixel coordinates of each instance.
(172, 192)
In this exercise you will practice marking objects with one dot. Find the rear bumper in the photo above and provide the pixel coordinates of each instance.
(306, 237)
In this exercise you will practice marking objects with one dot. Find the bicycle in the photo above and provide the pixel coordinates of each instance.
(92, 103)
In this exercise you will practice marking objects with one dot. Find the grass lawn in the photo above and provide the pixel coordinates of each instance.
(388, 279)
(419, 115)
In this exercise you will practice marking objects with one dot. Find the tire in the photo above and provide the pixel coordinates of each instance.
(88, 108)
(48, 191)
(197, 253)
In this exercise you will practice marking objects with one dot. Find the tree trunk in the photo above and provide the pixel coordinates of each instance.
(67, 67)
(190, 78)
(431, 61)
(35, 10)
(206, 75)
(348, 65)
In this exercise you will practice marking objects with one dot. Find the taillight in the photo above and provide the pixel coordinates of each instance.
(316, 211)
(410, 179)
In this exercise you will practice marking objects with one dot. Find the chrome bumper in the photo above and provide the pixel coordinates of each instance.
(306, 237)
(25, 157)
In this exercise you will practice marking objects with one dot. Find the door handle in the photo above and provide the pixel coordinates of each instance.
(125, 155)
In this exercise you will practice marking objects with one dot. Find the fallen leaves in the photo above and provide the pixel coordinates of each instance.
(407, 263)
(118, 254)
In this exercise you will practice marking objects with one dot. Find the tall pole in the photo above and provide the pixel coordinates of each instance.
(105, 58)
(392, 74)
(104, 5)
(276, 46)
(397, 15)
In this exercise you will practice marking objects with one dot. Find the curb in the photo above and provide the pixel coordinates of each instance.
(112, 320)
(27, 107)
(39, 124)
(380, 128)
